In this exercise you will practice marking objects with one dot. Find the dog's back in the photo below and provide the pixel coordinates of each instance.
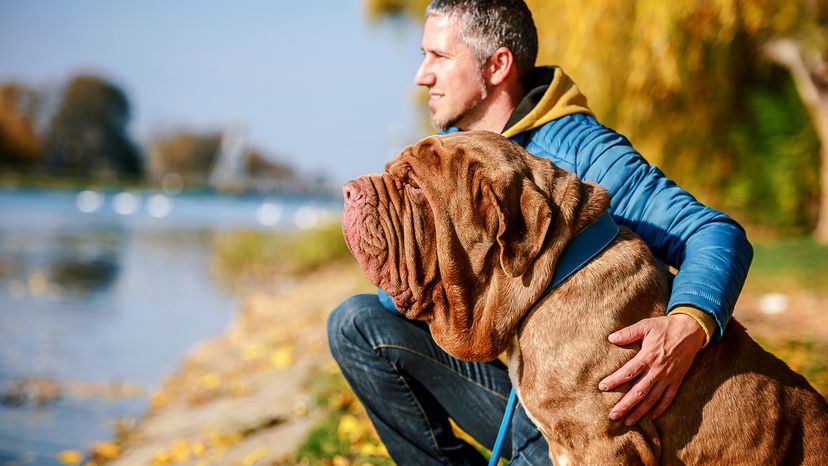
(738, 404)
(741, 405)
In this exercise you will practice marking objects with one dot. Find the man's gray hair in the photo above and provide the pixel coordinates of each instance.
(486, 25)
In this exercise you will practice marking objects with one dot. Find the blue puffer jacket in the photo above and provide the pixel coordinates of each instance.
(708, 248)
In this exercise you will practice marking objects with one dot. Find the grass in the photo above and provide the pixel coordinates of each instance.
(807, 357)
(795, 264)
(344, 436)
(248, 259)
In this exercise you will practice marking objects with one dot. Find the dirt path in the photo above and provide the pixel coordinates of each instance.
(242, 398)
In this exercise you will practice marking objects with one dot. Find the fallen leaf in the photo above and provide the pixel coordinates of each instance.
(179, 451)
(158, 400)
(210, 380)
(251, 458)
(105, 451)
(161, 458)
(199, 449)
(253, 351)
(349, 428)
(281, 358)
(70, 457)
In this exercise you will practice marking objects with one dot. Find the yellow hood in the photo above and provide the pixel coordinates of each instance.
(560, 97)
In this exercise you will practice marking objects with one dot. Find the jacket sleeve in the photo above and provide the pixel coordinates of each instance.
(709, 249)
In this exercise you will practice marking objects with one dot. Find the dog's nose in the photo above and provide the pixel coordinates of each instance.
(351, 192)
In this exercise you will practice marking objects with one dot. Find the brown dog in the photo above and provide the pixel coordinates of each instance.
(463, 231)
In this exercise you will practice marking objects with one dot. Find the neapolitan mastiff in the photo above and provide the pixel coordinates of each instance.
(463, 232)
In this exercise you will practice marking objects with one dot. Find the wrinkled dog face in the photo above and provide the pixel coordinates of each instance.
(389, 228)
(445, 226)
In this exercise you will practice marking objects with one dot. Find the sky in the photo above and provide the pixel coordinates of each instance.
(312, 83)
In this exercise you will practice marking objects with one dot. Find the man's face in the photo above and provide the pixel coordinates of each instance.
(452, 75)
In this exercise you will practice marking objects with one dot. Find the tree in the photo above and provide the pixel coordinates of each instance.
(19, 109)
(192, 156)
(88, 133)
(809, 69)
(680, 78)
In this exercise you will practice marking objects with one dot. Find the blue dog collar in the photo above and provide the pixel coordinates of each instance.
(581, 249)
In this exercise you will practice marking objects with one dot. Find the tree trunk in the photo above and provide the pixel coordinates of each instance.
(811, 80)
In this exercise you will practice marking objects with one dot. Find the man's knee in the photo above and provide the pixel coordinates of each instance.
(344, 323)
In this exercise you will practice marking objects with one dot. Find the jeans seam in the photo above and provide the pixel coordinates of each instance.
(429, 358)
(422, 411)
(519, 451)
(525, 458)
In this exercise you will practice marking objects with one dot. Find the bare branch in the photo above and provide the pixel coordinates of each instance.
(786, 52)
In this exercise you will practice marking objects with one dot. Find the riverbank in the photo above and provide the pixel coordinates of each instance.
(247, 397)
(243, 398)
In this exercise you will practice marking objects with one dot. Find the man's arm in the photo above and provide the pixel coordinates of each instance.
(710, 251)
(708, 248)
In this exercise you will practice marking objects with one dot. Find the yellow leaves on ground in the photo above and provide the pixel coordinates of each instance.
(210, 451)
(371, 449)
(350, 428)
(358, 432)
(159, 399)
(105, 451)
(253, 352)
(199, 449)
(203, 381)
(340, 460)
(69, 457)
(223, 440)
(210, 380)
(251, 458)
(282, 358)
(807, 357)
(180, 451)
(100, 451)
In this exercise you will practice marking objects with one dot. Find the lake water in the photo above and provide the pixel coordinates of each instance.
(111, 287)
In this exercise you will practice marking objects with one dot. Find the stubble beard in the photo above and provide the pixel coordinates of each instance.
(464, 113)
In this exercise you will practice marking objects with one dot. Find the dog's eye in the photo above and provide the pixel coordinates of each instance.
(407, 179)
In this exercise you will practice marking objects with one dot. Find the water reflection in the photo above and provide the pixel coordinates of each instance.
(82, 276)
(98, 294)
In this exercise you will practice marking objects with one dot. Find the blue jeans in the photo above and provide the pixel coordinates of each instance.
(410, 388)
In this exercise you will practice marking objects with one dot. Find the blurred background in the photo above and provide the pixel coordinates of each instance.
(170, 173)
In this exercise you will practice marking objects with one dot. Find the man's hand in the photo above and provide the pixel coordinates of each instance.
(668, 346)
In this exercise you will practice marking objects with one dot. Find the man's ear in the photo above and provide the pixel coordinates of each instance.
(500, 65)
(522, 229)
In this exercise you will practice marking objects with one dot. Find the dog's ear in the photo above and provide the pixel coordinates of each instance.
(523, 224)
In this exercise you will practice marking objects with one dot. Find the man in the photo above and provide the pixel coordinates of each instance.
(478, 66)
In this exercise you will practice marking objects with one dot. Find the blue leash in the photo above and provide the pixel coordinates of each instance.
(581, 249)
(504, 427)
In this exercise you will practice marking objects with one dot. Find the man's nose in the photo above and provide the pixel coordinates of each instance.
(424, 76)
